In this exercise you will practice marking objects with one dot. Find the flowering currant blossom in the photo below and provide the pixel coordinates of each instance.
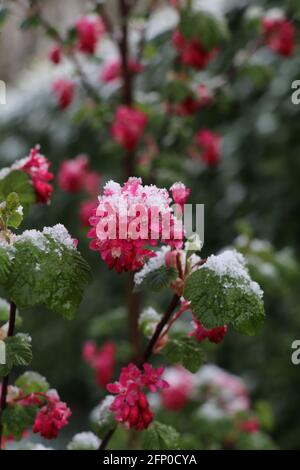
(192, 52)
(128, 127)
(75, 175)
(214, 335)
(211, 146)
(129, 220)
(55, 54)
(227, 391)
(51, 417)
(279, 34)
(86, 211)
(181, 385)
(250, 426)
(131, 406)
(89, 30)
(102, 360)
(113, 70)
(193, 102)
(36, 166)
(92, 180)
(71, 174)
(64, 91)
(180, 193)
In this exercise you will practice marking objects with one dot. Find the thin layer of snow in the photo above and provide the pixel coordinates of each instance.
(35, 237)
(149, 315)
(233, 264)
(101, 413)
(40, 447)
(84, 440)
(153, 264)
(61, 235)
(38, 239)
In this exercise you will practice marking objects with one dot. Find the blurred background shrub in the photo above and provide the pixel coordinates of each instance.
(252, 198)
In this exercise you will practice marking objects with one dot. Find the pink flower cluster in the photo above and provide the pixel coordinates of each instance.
(192, 51)
(180, 193)
(36, 166)
(128, 127)
(210, 144)
(55, 54)
(214, 335)
(75, 176)
(52, 413)
(113, 70)
(195, 101)
(89, 30)
(279, 35)
(102, 360)
(64, 91)
(131, 406)
(181, 385)
(51, 417)
(131, 218)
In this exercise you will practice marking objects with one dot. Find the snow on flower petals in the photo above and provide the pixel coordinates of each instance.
(131, 406)
(51, 417)
(129, 221)
(36, 166)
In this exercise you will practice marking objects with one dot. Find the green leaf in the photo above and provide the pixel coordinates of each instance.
(158, 279)
(4, 311)
(17, 419)
(185, 351)
(225, 299)
(32, 382)
(205, 27)
(11, 211)
(47, 273)
(30, 22)
(18, 182)
(176, 91)
(15, 210)
(4, 265)
(18, 353)
(159, 436)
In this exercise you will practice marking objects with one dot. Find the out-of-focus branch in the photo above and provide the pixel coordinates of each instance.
(35, 9)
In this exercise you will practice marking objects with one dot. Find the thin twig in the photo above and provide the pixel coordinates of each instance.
(71, 56)
(165, 319)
